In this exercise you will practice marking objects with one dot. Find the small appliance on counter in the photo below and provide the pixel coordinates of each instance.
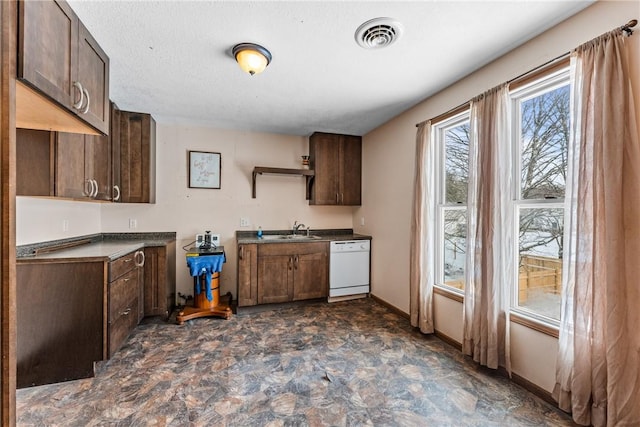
(207, 240)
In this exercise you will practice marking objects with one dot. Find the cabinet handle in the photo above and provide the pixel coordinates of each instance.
(128, 259)
(241, 253)
(86, 109)
(295, 262)
(117, 190)
(342, 198)
(126, 279)
(337, 198)
(94, 185)
(127, 311)
(88, 188)
(290, 263)
(142, 258)
(78, 104)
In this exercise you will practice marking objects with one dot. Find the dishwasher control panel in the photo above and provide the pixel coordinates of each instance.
(350, 246)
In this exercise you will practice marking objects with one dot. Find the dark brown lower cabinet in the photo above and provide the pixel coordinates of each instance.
(282, 272)
(247, 275)
(159, 280)
(126, 282)
(60, 320)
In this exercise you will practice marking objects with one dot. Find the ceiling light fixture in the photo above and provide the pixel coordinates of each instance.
(251, 57)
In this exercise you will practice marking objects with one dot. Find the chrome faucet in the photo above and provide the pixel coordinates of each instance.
(296, 227)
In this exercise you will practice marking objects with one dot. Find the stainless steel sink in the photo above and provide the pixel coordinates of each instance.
(290, 237)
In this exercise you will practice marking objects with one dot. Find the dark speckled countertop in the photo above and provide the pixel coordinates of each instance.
(323, 235)
(94, 247)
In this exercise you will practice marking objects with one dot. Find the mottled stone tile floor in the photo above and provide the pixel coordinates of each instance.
(351, 363)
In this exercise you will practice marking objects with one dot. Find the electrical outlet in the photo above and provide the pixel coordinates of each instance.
(133, 223)
(362, 221)
(244, 222)
(65, 225)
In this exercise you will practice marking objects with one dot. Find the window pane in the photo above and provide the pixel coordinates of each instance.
(540, 269)
(456, 142)
(455, 239)
(544, 135)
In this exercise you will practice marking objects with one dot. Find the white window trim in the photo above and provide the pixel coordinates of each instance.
(441, 204)
(535, 88)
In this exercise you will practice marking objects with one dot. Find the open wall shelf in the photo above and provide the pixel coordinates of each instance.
(259, 170)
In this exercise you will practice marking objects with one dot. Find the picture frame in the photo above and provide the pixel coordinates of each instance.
(204, 169)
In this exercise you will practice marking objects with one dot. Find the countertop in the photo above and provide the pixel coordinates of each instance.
(99, 247)
(99, 251)
(323, 235)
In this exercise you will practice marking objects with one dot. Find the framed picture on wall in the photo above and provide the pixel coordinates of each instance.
(204, 169)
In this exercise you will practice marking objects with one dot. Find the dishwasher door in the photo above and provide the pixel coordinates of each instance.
(349, 268)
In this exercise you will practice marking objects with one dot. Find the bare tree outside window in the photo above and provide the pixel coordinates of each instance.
(454, 212)
(544, 137)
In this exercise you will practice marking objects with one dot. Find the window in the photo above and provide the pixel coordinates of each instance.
(541, 136)
(452, 142)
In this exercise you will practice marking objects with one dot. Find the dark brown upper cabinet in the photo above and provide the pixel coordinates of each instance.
(337, 162)
(83, 166)
(35, 163)
(135, 149)
(59, 58)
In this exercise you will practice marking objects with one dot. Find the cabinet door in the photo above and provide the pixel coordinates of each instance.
(324, 150)
(35, 162)
(114, 144)
(310, 276)
(48, 44)
(275, 279)
(70, 166)
(60, 324)
(247, 275)
(350, 170)
(137, 157)
(98, 164)
(155, 281)
(93, 74)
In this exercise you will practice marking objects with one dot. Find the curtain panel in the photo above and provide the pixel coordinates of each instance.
(598, 366)
(423, 232)
(489, 235)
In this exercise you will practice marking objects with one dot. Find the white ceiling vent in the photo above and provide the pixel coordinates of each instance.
(378, 33)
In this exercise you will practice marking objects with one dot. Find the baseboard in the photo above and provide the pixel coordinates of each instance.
(391, 307)
(446, 338)
(531, 387)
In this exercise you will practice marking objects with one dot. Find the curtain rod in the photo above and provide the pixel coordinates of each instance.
(627, 28)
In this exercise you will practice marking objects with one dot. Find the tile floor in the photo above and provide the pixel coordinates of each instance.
(351, 363)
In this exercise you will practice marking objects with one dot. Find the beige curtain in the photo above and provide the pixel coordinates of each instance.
(598, 367)
(422, 252)
(489, 265)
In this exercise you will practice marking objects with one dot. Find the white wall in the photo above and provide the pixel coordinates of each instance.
(280, 198)
(388, 172)
(40, 220)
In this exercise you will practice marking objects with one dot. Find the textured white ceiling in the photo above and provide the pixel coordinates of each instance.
(172, 58)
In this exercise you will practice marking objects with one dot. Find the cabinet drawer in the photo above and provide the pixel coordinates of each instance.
(122, 265)
(272, 249)
(122, 325)
(121, 293)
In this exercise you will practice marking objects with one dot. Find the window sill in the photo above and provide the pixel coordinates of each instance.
(534, 324)
(448, 294)
(520, 319)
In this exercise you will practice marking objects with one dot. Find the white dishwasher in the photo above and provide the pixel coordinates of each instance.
(349, 269)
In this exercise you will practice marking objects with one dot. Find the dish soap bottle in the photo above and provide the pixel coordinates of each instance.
(259, 232)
